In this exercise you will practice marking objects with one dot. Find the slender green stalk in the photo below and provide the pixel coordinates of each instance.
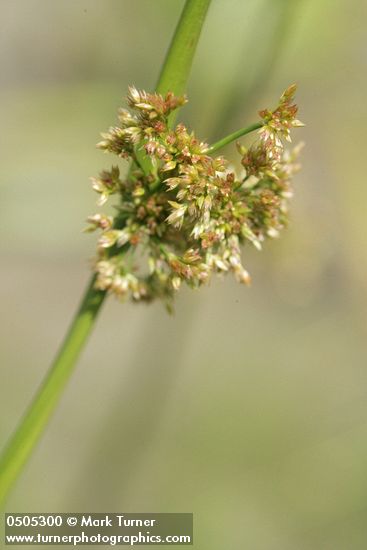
(232, 137)
(173, 77)
(37, 416)
(180, 55)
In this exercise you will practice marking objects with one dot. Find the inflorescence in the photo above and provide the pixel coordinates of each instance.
(182, 214)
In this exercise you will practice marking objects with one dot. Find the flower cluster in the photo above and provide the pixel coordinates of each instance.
(182, 215)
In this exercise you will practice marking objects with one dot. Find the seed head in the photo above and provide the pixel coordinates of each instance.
(182, 215)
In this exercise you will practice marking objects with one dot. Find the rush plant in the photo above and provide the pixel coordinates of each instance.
(181, 214)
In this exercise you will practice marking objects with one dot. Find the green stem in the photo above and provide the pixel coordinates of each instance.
(37, 416)
(173, 77)
(180, 55)
(232, 137)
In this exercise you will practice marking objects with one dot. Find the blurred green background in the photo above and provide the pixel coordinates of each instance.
(248, 407)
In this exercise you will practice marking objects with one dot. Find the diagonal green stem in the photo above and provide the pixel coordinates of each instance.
(173, 77)
(47, 397)
(232, 137)
(180, 55)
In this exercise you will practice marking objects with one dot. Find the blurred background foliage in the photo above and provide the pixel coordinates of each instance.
(248, 407)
